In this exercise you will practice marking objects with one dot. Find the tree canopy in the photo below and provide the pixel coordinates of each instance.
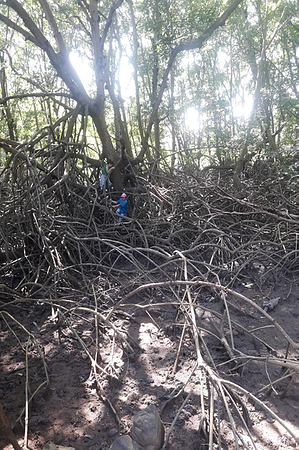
(199, 81)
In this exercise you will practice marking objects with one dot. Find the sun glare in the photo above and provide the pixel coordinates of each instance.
(82, 68)
(242, 106)
(191, 117)
(126, 79)
(85, 73)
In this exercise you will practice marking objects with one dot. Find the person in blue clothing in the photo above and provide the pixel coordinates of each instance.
(121, 205)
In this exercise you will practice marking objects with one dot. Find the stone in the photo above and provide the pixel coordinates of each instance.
(148, 429)
(112, 432)
(124, 443)
(52, 446)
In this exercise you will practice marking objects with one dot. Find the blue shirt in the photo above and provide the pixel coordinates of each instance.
(123, 206)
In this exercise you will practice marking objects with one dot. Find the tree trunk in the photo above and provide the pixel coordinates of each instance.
(61, 63)
(187, 45)
(6, 109)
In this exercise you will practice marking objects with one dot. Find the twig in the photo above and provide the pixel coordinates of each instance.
(179, 348)
(174, 421)
(178, 390)
(7, 431)
(166, 284)
(268, 376)
(26, 398)
(211, 418)
(262, 404)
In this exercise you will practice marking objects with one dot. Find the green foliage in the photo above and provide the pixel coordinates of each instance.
(218, 80)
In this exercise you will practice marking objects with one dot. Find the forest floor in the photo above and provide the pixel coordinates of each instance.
(72, 412)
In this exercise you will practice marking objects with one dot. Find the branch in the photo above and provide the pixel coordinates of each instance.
(36, 94)
(113, 8)
(98, 41)
(292, 343)
(188, 45)
(14, 26)
(53, 24)
(38, 37)
(60, 61)
(7, 431)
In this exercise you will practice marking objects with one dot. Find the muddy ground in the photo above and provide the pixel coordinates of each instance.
(152, 363)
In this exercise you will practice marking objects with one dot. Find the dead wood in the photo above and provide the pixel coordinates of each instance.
(185, 241)
(7, 431)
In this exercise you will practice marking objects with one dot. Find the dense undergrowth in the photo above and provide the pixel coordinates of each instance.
(63, 246)
(53, 240)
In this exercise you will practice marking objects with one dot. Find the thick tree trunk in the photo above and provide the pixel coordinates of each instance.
(98, 117)
(61, 63)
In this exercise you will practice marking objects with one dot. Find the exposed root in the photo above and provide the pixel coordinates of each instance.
(184, 242)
